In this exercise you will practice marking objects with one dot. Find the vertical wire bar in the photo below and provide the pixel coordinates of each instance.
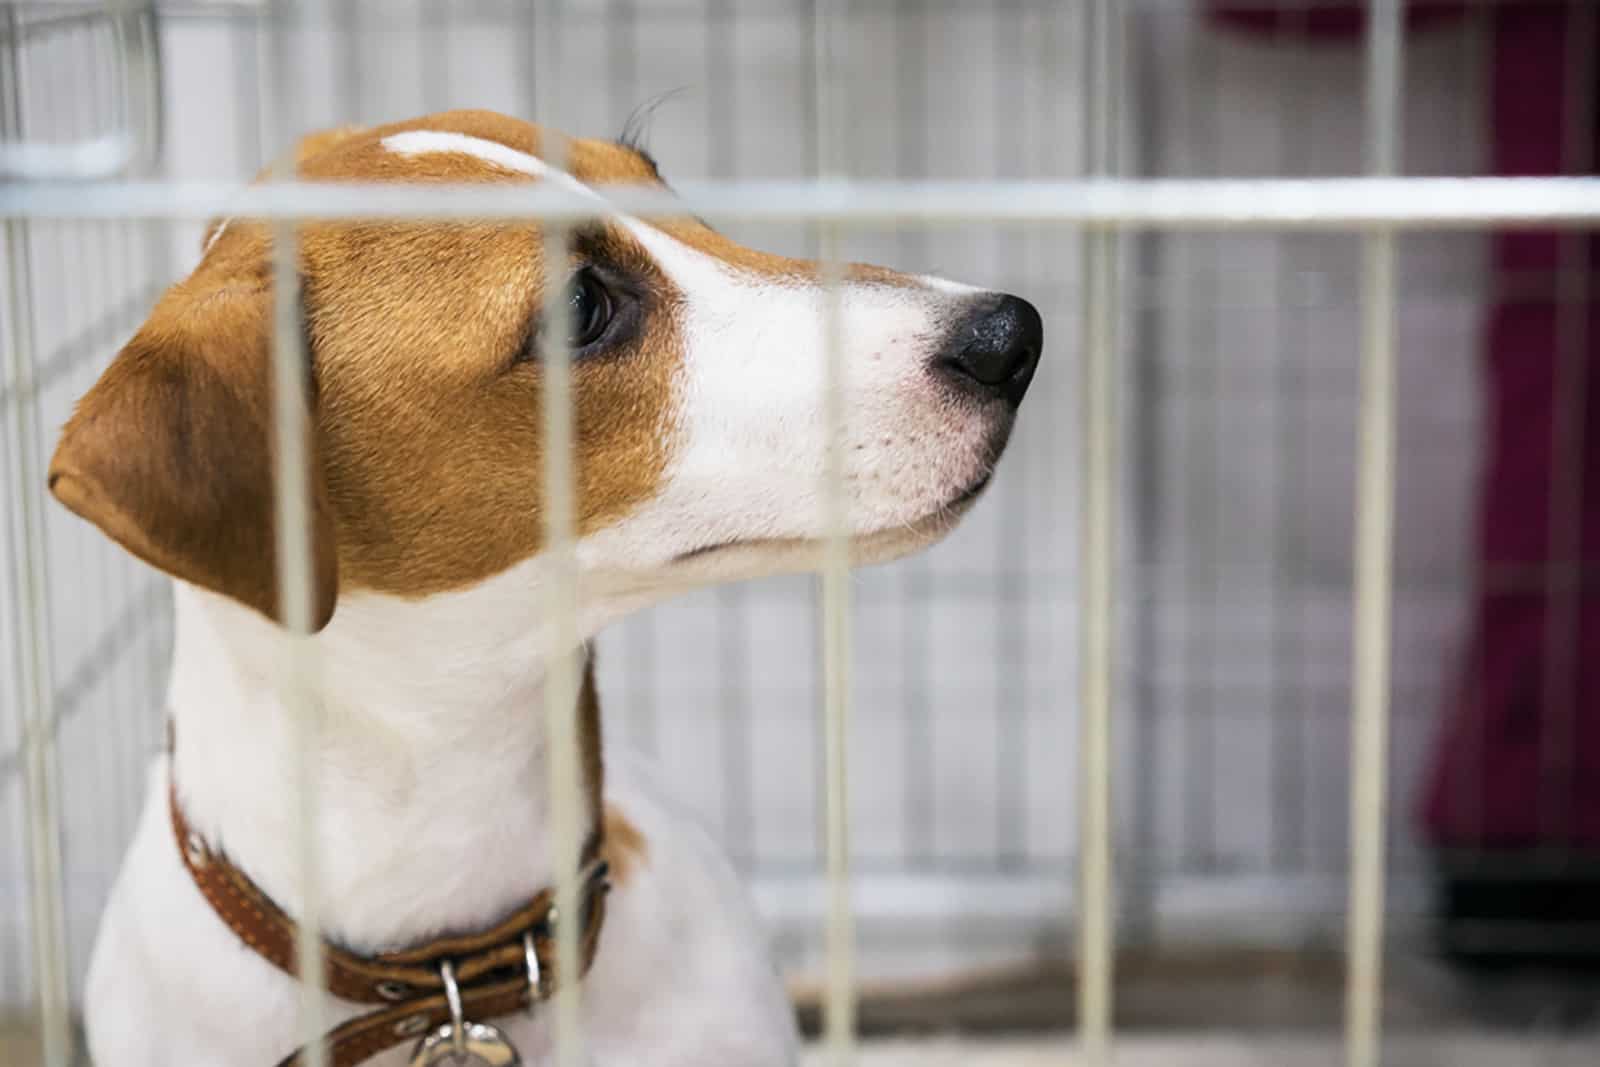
(622, 66)
(160, 266)
(561, 603)
(73, 269)
(149, 266)
(433, 54)
(292, 436)
(1011, 703)
(1095, 931)
(1098, 554)
(40, 769)
(147, 65)
(1205, 650)
(116, 785)
(1286, 612)
(1369, 742)
(1313, 844)
(913, 153)
(244, 59)
(345, 28)
(1150, 446)
(1185, 305)
(733, 614)
(841, 1004)
(622, 80)
(840, 1017)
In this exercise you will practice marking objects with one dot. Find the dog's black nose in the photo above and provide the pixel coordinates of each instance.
(996, 349)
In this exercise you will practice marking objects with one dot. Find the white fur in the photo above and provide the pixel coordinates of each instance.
(432, 805)
(432, 816)
(425, 142)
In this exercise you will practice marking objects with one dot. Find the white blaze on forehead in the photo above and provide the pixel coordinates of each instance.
(427, 142)
(688, 260)
(424, 142)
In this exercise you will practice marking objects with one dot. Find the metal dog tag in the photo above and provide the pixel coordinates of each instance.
(481, 1045)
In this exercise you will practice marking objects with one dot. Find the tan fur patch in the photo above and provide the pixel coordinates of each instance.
(434, 445)
(626, 849)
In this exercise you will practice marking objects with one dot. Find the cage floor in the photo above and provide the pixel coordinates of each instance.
(1239, 1008)
(1461, 1050)
(1225, 992)
(18, 1049)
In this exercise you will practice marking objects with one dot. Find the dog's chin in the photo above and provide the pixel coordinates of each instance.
(896, 542)
(759, 557)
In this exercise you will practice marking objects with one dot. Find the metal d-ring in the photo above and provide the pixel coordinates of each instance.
(459, 1043)
(530, 957)
(452, 996)
(194, 846)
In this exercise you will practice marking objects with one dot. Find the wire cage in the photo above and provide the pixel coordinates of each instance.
(1172, 687)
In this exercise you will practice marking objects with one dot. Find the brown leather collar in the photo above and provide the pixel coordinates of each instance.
(490, 966)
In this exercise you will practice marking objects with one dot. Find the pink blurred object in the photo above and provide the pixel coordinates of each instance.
(1517, 761)
(1329, 18)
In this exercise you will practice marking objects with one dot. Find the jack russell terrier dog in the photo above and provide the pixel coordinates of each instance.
(700, 437)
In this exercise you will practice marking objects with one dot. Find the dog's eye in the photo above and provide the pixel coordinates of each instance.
(594, 313)
(591, 310)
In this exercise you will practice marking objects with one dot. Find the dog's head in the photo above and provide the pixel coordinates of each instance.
(698, 385)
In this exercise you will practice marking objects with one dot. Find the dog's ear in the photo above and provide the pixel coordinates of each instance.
(171, 452)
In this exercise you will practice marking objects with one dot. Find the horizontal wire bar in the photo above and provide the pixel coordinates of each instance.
(1275, 203)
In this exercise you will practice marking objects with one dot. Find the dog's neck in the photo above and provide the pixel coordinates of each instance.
(432, 797)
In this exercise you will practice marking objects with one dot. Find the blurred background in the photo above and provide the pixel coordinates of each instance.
(1239, 364)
